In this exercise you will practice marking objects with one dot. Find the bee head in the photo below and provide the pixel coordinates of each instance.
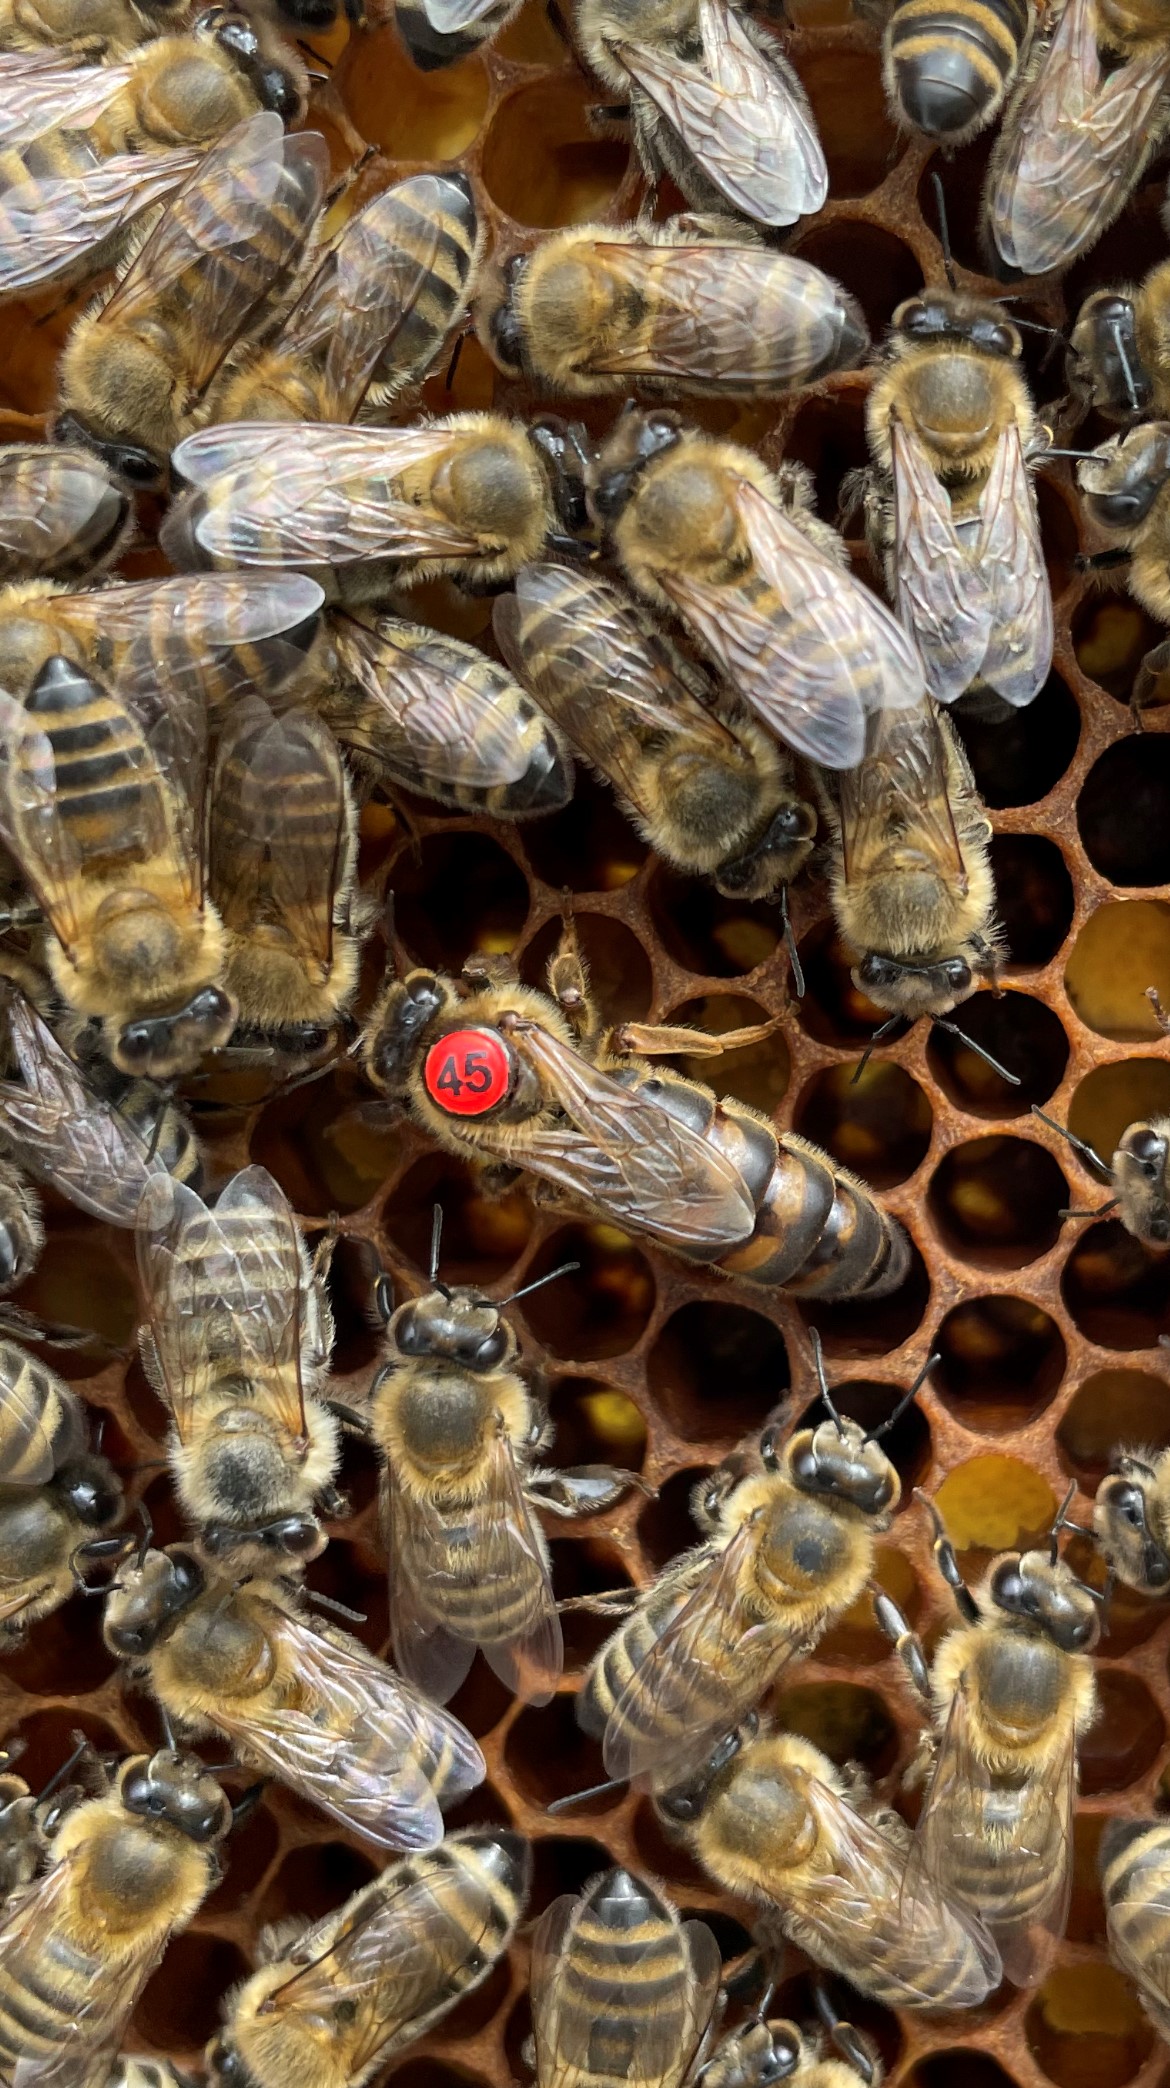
(1121, 1522)
(147, 1596)
(1124, 476)
(175, 1787)
(912, 990)
(686, 1802)
(634, 442)
(227, 2069)
(775, 858)
(949, 316)
(840, 1462)
(1140, 1166)
(276, 85)
(1105, 340)
(1044, 1591)
(457, 1325)
(162, 1047)
(134, 465)
(407, 1011)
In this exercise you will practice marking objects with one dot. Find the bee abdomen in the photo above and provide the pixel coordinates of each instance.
(442, 242)
(41, 1992)
(430, 47)
(948, 67)
(96, 753)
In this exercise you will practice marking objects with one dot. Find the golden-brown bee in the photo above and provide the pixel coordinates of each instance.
(516, 1081)
(762, 2053)
(1135, 1885)
(298, 1700)
(437, 32)
(909, 866)
(282, 870)
(459, 1433)
(1119, 359)
(135, 369)
(1087, 116)
(622, 1990)
(953, 514)
(1126, 484)
(1010, 1692)
(57, 1497)
(126, 1871)
(710, 790)
(237, 1342)
(771, 1819)
(331, 2004)
(948, 69)
(88, 28)
(711, 101)
(1138, 1174)
(23, 1824)
(364, 510)
(373, 316)
(695, 305)
(704, 531)
(63, 514)
(67, 213)
(434, 715)
(1131, 1519)
(788, 1546)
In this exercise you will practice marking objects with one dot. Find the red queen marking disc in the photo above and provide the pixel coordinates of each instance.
(467, 1072)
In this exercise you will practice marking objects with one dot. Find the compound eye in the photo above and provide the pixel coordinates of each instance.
(1007, 1586)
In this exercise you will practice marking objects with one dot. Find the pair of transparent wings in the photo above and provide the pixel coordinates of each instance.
(64, 1133)
(979, 607)
(450, 709)
(279, 813)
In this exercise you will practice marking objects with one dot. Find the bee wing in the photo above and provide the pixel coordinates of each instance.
(582, 652)
(704, 316)
(49, 224)
(1145, 1912)
(64, 1134)
(641, 1164)
(966, 1809)
(101, 2007)
(943, 591)
(46, 499)
(661, 2036)
(31, 1457)
(310, 493)
(702, 1675)
(451, 17)
(368, 1751)
(278, 825)
(744, 120)
(816, 662)
(43, 90)
(900, 787)
(236, 222)
(185, 646)
(491, 1543)
(1072, 146)
(1019, 649)
(453, 727)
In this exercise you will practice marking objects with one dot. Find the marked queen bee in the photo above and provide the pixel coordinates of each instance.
(518, 1081)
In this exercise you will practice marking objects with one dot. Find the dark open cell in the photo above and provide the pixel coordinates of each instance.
(1111, 1408)
(962, 2068)
(252, 1848)
(69, 1644)
(754, 1073)
(542, 163)
(714, 937)
(352, 1274)
(861, 144)
(876, 1123)
(603, 1307)
(455, 893)
(1086, 1914)
(962, 175)
(718, 1370)
(350, 1573)
(663, 1856)
(834, 1010)
(476, 2010)
(50, 1737)
(314, 1880)
(1001, 1360)
(666, 1526)
(481, 1701)
(618, 967)
(1020, 1032)
(326, 1150)
(828, 434)
(563, 1863)
(1017, 760)
(881, 271)
(1111, 636)
(732, 1938)
(848, 1723)
(79, 1282)
(482, 1807)
(1055, 509)
(595, 1424)
(180, 2006)
(482, 1236)
(871, 1401)
(589, 847)
(1123, 811)
(872, 1327)
(548, 1757)
(997, 1201)
(1116, 1290)
(1034, 896)
(1086, 2028)
(1125, 1738)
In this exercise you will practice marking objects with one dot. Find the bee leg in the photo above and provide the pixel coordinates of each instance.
(581, 1489)
(1151, 683)
(1100, 561)
(557, 23)
(1160, 1015)
(568, 982)
(906, 1644)
(948, 1565)
(855, 2049)
(613, 1602)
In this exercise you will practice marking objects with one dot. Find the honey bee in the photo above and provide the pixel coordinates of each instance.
(373, 316)
(1088, 114)
(282, 866)
(126, 1871)
(63, 514)
(948, 70)
(22, 1838)
(622, 1990)
(329, 2006)
(237, 1342)
(1010, 1692)
(772, 1820)
(788, 1546)
(1135, 1884)
(703, 530)
(909, 869)
(1131, 1519)
(709, 789)
(57, 1497)
(697, 305)
(763, 2053)
(298, 1700)
(516, 1081)
(953, 514)
(135, 368)
(1124, 482)
(711, 101)
(364, 510)
(89, 28)
(433, 715)
(1139, 1175)
(135, 2071)
(67, 213)
(459, 1434)
(1119, 359)
(438, 32)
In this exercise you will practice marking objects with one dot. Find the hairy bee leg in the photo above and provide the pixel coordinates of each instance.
(581, 1489)
(568, 983)
(948, 1564)
(1160, 1015)
(906, 1644)
(614, 1602)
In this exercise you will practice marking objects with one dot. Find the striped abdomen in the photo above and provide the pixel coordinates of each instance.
(1135, 1881)
(619, 1658)
(431, 235)
(949, 63)
(39, 1419)
(622, 1941)
(109, 804)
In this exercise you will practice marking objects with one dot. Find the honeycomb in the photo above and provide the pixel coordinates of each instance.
(1046, 1332)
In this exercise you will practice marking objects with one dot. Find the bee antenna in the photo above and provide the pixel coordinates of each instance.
(883, 1030)
(1013, 1079)
(944, 232)
(1087, 1153)
(822, 1380)
(875, 1434)
(566, 1269)
(144, 1516)
(1078, 456)
(1126, 367)
(579, 1797)
(436, 1235)
(164, 1719)
(794, 962)
(82, 1746)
